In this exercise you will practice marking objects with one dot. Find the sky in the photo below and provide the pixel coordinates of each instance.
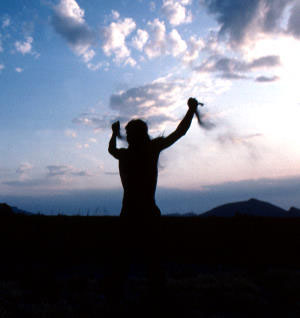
(69, 69)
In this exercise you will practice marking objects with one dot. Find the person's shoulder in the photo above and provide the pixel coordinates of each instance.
(158, 139)
(157, 142)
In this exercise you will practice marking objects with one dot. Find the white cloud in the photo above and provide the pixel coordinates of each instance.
(114, 39)
(24, 167)
(68, 21)
(152, 6)
(176, 44)
(70, 9)
(80, 173)
(115, 14)
(70, 133)
(149, 101)
(194, 47)
(98, 66)
(156, 45)
(58, 170)
(24, 47)
(1, 47)
(62, 171)
(231, 138)
(267, 79)
(186, 2)
(176, 11)
(5, 22)
(83, 146)
(161, 43)
(140, 39)
(19, 69)
(130, 61)
(93, 119)
(23, 170)
(56, 176)
(1, 67)
(88, 55)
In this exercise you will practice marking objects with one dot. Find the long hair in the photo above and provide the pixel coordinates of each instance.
(137, 133)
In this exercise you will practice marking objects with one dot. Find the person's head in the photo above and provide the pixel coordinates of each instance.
(137, 132)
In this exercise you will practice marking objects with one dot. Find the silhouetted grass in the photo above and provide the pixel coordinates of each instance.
(54, 266)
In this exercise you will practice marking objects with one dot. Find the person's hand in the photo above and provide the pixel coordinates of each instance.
(116, 128)
(193, 104)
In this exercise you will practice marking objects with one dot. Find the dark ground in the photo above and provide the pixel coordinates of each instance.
(55, 266)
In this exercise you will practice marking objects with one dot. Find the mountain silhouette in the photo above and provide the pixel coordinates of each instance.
(20, 211)
(252, 207)
(7, 210)
(294, 212)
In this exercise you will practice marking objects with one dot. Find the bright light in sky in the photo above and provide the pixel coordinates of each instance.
(69, 68)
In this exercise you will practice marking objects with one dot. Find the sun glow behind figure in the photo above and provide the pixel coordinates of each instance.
(68, 69)
(278, 117)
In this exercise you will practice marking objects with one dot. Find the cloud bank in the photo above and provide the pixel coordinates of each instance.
(243, 21)
(233, 68)
(56, 175)
(294, 21)
(160, 102)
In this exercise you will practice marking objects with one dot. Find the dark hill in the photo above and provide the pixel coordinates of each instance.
(294, 212)
(5, 210)
(19, 211)
(251, 207)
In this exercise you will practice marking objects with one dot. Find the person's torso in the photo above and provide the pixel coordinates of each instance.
(138, 172)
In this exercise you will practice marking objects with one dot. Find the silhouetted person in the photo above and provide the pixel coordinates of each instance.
(140, 216)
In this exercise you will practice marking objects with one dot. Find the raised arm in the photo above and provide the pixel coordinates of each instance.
(112, 147)
(183, 126)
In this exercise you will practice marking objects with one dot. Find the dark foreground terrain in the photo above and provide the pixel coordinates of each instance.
(55, 266)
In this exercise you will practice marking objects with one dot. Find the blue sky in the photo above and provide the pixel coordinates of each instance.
(69, 68)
